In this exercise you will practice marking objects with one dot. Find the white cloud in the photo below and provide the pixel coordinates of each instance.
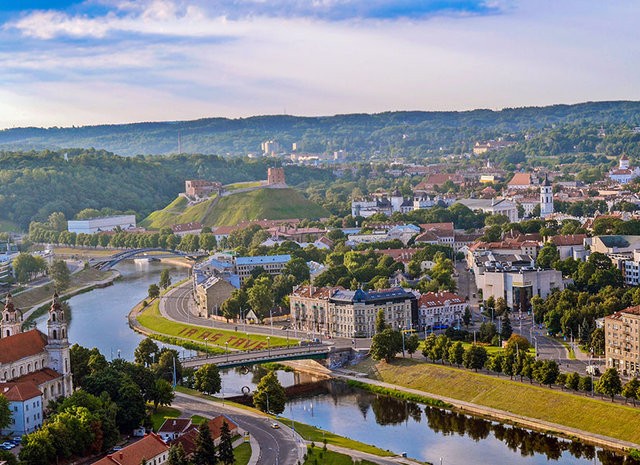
(159, 59)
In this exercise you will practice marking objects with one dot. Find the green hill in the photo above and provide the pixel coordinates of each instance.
(270, 204)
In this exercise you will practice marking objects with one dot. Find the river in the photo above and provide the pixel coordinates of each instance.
(99, 319)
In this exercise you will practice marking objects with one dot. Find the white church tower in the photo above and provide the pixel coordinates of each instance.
(546, 198)
(58, 346)
(11, 319)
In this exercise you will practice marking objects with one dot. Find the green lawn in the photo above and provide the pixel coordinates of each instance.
(243, 185)
(198, 420)
(150, 318)
(242, 453)
(158, 417)
(316, 455)
(311, 433)
(530, 400)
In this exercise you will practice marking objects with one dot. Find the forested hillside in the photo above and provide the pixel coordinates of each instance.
(35, 184)
(396, 133)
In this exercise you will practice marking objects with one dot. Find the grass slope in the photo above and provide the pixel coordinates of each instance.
(271, 204)
(584, 413)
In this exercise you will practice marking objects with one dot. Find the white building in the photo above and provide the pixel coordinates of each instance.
(518, 286)
(105, 223)
(272, 264)
(493, 207)
(624, 173)
(439, 310)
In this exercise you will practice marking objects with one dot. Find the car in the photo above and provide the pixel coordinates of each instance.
(275, 425)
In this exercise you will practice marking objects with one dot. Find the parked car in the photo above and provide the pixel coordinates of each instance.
(593, 370)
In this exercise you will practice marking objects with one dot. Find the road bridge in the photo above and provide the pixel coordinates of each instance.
(107, 263)
(275, 354)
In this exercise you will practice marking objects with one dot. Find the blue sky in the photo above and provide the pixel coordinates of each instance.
(108, 61)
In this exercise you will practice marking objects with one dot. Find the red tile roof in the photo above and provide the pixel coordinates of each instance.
(315, 292)
(146, 448)
(569, 239)
(438, 299)
(175, 425)
(19, 392)
(19, 346)
(193, 226)
(521, 179)
(39, 377)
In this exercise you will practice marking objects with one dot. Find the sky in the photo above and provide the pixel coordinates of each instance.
(70, 62)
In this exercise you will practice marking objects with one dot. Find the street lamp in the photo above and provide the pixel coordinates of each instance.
(269, 349)
(206, 347)
(226, 345)
(271, 319)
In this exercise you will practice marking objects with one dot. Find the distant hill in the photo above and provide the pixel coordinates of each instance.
(406, 132)
(263, 203)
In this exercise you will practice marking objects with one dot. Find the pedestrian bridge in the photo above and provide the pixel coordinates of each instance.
(107, 263)
(276, 354)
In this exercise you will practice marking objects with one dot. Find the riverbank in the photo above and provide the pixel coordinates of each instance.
(534, 407)
(33, 299)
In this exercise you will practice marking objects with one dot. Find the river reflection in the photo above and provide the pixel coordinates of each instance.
(428, 433)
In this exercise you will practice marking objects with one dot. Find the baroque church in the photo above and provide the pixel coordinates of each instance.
(35, 368)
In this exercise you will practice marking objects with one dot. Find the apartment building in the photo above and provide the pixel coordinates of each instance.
(621, 341)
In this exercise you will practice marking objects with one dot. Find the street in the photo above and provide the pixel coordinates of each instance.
(277, 446)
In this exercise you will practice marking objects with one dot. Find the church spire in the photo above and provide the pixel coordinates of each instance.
(11, 323)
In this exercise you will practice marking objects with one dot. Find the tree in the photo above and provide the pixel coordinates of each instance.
(60, 274)
(475, 357)
(501, 306)
(609, 383)
(37, 448)
(548, 255)
(225, 448)
(487, 331)
(505, 327)
(207, 379)
(165, 279)
(260, 297)
(5, 412)
(146, 352)
(131, 406)
(385, 345)
(270, 395)
(547, 372)
(167, 361)
(411, 343)
(298, 268)
(205, 449)
(456, 354)
(466, 318)
(381, 324)
(630, 390)
(177, 455)
(572, 381)
(517, 343)
(154, 291)
(162, 393)
(586, 384)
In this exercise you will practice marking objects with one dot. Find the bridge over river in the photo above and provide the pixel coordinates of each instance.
(107, 263)
(276, 354)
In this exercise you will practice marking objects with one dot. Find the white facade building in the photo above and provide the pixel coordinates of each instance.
(493, 207)
(439, 310)
(108, 223)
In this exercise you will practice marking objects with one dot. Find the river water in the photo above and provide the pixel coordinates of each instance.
(99, 319)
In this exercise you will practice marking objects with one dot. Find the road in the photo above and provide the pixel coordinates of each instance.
(277, 446)
(178, 304)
